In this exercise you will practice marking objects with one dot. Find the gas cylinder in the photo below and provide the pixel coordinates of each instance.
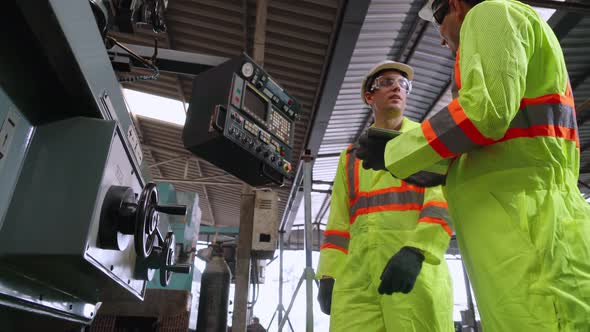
(214, 297)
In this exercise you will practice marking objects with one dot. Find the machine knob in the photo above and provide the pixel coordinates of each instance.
(265, 154)
(280, 163)
(273, 158)
(258, 149)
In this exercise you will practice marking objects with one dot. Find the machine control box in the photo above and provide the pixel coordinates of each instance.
(241, 120)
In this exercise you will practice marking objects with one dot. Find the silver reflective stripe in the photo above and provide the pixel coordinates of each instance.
(436, 212)
(449, 133)
(455, 140)
(337, 240)
(405, 197)
(350, 160)
(545, 114)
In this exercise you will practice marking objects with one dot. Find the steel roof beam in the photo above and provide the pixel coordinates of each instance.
(347, 29)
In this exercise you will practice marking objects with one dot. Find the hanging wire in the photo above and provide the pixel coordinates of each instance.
(145, 62)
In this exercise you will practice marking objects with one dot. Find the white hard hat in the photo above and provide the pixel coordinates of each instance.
(426, 12)
(384, 65)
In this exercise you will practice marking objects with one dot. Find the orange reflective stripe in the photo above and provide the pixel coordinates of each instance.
(357, 163)
(436, 212)
(412, 187)
(437, 221)
(434, 141)
(457, 72)
(384, 208)
(329, 232)
(450, 132)
(461, 119)
(391, 190)
(548, 99)
(348, 171)
(440, 204)
(333, 246)
(569, 134)
(336, 239)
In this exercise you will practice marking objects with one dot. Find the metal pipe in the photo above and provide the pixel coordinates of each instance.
(281, 249)
(242, 269)
(308, 240)
(470, 305)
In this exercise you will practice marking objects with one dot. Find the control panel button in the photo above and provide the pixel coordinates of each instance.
(287, 167)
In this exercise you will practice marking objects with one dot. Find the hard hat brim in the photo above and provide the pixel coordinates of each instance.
(426, 12)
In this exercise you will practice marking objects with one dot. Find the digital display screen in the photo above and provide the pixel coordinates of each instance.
(255, 104)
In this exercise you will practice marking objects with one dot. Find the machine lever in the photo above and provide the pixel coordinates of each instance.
(179, 210)
(179, 268)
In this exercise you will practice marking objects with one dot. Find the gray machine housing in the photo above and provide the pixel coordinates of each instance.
(69, 137)
(51, 226)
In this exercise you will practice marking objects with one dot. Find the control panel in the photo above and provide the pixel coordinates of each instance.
(259, 142)
(241, 120)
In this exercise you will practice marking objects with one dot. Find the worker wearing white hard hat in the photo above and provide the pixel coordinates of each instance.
(511, 138)
(382, 265)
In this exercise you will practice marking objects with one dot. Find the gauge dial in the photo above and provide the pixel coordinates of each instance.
(247, 69)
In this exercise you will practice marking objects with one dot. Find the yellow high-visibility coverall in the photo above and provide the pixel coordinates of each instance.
(373, 215)
(522, 225)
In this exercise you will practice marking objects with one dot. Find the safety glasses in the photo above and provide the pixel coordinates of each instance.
(385, 82)
(440, 13)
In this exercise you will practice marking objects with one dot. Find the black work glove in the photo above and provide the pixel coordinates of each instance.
(325, 294)
(400, 273)
(371, 150)
(426, 179)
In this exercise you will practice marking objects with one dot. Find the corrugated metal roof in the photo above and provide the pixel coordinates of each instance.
(298, 37)
(386, 33)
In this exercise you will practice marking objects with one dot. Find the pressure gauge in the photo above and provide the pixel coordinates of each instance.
(247, 69)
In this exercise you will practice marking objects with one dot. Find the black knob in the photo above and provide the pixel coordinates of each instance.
(280, 163)
(178, 210)
(273, 158)
(258, 148)
(265, 154)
